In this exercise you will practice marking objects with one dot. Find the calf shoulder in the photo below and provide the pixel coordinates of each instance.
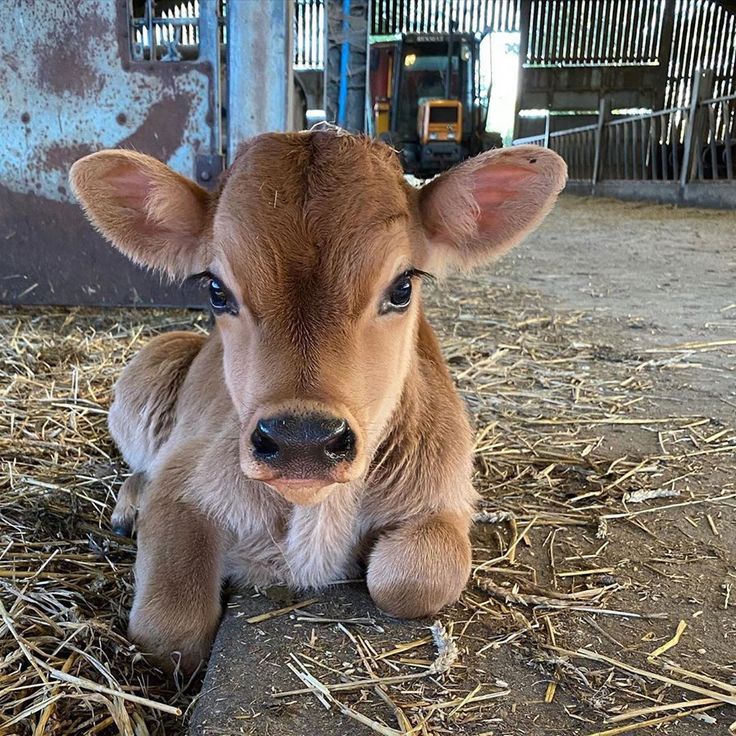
(145, 397)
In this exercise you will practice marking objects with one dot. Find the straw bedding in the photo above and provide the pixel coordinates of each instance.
(563, 494)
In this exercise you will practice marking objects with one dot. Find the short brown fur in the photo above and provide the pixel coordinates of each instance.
(308, 232)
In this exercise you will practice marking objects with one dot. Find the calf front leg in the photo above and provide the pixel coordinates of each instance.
(416, 569)
(178, 574)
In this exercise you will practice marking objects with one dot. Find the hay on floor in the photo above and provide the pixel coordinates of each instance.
(543, 394)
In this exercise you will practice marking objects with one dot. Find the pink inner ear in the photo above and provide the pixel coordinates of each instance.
(134, 188)
(131, 186)
(496, 184)
(495, 189)
(488, 204)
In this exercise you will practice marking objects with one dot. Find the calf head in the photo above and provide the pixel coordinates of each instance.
(314, 250)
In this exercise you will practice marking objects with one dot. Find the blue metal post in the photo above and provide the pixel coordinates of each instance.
(342, 99)
(209, 50)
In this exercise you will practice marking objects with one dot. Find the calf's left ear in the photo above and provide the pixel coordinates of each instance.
(488, 204)
(155, 216)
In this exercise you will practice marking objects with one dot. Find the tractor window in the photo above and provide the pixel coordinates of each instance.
(443, 115)
(423, 77)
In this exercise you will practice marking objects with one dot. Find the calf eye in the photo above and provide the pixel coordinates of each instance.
(398, 297)
(401, 292)
(220, 299)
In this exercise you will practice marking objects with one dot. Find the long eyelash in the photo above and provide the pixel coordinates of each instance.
(420, 274)
(202, 278)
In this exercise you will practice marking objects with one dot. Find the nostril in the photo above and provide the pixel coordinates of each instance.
(263, 445)
(342, 442)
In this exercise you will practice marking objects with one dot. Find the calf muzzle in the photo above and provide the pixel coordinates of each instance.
(303, 446)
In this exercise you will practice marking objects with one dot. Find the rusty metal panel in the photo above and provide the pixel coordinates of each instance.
(70, 86)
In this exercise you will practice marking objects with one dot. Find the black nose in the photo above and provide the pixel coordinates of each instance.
(303, 446)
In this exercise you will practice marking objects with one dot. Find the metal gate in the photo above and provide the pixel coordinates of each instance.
(76, 76)
(181, 80)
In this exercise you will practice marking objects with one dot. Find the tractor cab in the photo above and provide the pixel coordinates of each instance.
(427, 101)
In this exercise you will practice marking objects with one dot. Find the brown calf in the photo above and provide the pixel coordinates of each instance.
(316, 429)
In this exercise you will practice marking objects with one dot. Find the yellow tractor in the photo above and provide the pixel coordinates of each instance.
(427, 101)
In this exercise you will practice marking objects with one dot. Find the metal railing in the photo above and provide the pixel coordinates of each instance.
(644, 147)
(718, 154)
(309, 34)
(577, 147)
(696, 142)
(172, 33)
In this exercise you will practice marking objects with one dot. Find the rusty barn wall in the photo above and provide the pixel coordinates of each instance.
(70, 87)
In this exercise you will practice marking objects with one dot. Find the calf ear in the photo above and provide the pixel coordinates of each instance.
(485, 206)
(153, 215)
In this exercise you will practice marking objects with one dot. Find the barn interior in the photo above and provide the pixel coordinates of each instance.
(596, 360)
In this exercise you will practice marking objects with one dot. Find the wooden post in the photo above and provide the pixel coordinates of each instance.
(702, 89)
(604, 115)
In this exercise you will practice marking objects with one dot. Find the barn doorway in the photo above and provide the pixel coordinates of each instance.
(499, 54)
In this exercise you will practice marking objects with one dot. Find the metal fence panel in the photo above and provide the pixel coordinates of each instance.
(434, 16)
(690, 143)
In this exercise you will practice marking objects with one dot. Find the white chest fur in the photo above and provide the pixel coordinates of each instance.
(303, 546)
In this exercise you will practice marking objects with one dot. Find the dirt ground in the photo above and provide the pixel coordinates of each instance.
(663, 275)
(598, 363)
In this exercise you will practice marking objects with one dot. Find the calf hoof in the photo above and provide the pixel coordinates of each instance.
(126, 508)
(187, 660)
(185, 651)
(122, 528)
(123, 521)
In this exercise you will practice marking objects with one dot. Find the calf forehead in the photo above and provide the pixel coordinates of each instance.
(308, 200)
